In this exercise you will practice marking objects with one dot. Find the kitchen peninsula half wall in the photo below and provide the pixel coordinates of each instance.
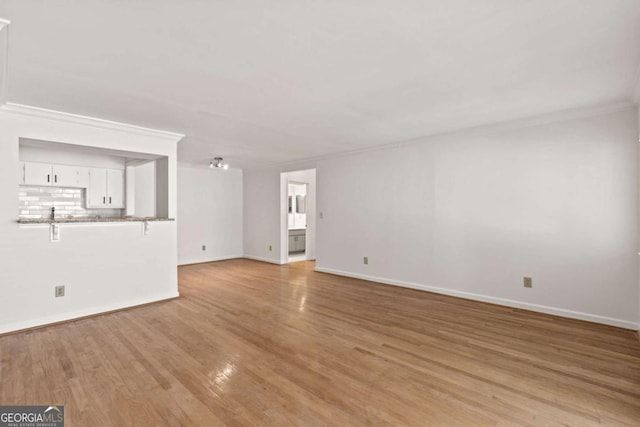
(112, 188)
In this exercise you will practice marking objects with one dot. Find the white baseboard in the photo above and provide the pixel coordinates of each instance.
(43, 321)
(203, 260)
(259, 258)
(493, 300)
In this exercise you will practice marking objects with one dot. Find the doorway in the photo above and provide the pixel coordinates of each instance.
(298, 215)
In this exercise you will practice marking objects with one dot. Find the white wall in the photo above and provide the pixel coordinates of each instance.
(162, 183)
(471, 214)
(4, 50)
(261, 215)
(210, 212)
(263, 201)
(144, 177)
(104, 267)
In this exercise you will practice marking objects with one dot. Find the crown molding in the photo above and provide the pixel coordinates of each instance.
(489, 128)
(43, 113)
(552, 117)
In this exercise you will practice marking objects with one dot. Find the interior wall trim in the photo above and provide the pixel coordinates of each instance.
(207, 260)
(80, 314)
(263, 259)
(43, 113)
(489, 299)
(486, 129)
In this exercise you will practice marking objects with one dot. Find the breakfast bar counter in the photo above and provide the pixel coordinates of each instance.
(90, 219)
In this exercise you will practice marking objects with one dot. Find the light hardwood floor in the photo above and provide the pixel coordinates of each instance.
(250, 343)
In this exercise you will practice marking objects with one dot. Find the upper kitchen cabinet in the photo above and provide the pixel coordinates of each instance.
(36, 173)
(106, 188)
(65, 176)
(115, 188)
(46, 174)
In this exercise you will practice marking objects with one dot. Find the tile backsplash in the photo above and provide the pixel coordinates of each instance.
(36, 202)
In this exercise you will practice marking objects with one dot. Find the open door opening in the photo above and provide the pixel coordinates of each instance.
(298, 215)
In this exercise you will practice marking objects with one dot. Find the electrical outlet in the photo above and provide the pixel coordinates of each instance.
(321, 215)
(528, 282)
(204, 247)
(270, 248)
(366, 260)
(59, 291)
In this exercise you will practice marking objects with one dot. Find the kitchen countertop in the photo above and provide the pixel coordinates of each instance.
(89, 219)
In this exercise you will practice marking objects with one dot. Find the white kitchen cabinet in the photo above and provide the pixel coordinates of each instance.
(37, 173)
(46, 174)
(97, 189)
(64, 176)
(84, 178)
(115, 188)
(297, 241)
(106, 188)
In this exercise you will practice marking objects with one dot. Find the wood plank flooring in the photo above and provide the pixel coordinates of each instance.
(250, 343)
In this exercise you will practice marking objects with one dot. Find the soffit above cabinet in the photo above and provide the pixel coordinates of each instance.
(128, 157)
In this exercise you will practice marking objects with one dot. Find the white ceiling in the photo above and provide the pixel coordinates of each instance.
(275, 81)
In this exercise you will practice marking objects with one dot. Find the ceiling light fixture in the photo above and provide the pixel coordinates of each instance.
(217, 163)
